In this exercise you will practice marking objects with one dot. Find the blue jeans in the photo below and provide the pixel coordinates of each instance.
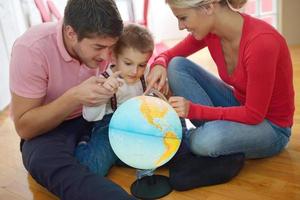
(221, 137)
(97, 153)
(50, 160)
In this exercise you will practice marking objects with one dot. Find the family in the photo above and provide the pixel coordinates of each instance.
(68, 77)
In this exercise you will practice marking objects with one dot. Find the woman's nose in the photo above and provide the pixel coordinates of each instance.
(181, 25)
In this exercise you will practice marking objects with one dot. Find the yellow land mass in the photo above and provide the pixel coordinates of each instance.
(151, 109)
(172, 143)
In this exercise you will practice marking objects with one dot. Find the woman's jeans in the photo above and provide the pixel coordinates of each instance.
(221, 137)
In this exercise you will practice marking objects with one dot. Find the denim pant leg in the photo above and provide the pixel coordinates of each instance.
(221, 137)
(49, 159)
(97, 154)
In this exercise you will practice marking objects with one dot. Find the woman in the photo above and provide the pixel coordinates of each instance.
(250, 110)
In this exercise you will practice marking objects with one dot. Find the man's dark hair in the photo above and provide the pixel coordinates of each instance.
(90, 18)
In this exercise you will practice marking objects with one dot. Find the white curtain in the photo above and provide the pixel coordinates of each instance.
(12, 24)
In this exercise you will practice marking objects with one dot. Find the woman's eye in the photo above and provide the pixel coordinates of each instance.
(142, 66)
(182, 18)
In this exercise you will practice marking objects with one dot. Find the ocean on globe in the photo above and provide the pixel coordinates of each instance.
(145, 132)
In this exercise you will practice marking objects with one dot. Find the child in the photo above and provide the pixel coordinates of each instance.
(125, 76)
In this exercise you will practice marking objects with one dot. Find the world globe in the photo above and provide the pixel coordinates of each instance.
(145, 132)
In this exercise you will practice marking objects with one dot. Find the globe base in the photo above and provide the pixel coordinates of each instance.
(151, 187)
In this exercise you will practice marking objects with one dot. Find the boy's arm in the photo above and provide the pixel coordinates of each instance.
(93, 113)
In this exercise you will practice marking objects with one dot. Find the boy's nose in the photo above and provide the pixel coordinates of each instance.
(134, 70)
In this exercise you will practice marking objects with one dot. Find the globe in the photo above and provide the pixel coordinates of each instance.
(145, 132)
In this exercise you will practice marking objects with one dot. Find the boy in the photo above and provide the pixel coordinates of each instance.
(125, 76)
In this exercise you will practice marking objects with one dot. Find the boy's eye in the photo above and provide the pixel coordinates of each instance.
(142, 66)
(127, 63)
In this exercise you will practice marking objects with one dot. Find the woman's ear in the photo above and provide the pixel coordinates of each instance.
(209, 9)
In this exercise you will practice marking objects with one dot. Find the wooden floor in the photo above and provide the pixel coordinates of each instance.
(266, 179)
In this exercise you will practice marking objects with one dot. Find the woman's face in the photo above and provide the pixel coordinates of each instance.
(197, 21)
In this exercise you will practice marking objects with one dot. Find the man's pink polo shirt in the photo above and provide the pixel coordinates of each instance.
(41, 66)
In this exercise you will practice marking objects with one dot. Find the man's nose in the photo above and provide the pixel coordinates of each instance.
(106, 53)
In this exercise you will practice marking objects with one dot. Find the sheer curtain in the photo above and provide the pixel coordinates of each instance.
(12, 24)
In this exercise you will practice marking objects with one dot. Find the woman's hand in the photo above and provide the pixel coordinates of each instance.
(181, 105)
(157, 78)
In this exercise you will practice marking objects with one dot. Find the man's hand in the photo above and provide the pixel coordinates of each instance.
(91, 92)
(181, 106)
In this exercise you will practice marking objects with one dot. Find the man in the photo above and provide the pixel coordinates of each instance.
(52, 74)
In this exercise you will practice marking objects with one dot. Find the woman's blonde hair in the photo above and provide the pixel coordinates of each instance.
(233, 4)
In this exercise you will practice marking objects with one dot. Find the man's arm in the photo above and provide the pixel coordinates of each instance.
(31, 118)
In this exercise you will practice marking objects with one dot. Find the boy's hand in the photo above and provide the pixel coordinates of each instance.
(181, 105)
(113, 82)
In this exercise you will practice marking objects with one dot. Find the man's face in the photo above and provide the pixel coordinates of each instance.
(93, 52)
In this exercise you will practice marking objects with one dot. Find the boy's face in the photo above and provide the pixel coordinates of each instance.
(132, 64)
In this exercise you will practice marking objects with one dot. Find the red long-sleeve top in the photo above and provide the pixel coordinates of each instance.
(262, 80)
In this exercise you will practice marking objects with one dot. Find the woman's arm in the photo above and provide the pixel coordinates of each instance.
(260, 60)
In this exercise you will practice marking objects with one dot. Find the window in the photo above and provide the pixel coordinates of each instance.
(266, 10)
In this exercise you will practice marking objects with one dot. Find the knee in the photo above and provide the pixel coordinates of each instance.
(207, 143)
(32, 157)
(176, 65)
(97, 158)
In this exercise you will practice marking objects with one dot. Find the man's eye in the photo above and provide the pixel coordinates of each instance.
(98, 48)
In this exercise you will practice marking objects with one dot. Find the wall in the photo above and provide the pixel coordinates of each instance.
(289, 20)
(161, 21)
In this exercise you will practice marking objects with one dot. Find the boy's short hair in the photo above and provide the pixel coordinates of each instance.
(137, 37)
(90, 18)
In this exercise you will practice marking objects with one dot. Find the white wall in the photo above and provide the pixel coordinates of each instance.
(289, 24)
(162, 23)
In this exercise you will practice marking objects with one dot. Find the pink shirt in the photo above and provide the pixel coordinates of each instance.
(41, 66)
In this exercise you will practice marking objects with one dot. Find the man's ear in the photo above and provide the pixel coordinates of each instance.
(70, 33)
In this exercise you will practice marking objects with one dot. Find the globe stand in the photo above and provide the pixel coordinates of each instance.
(151, 187)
